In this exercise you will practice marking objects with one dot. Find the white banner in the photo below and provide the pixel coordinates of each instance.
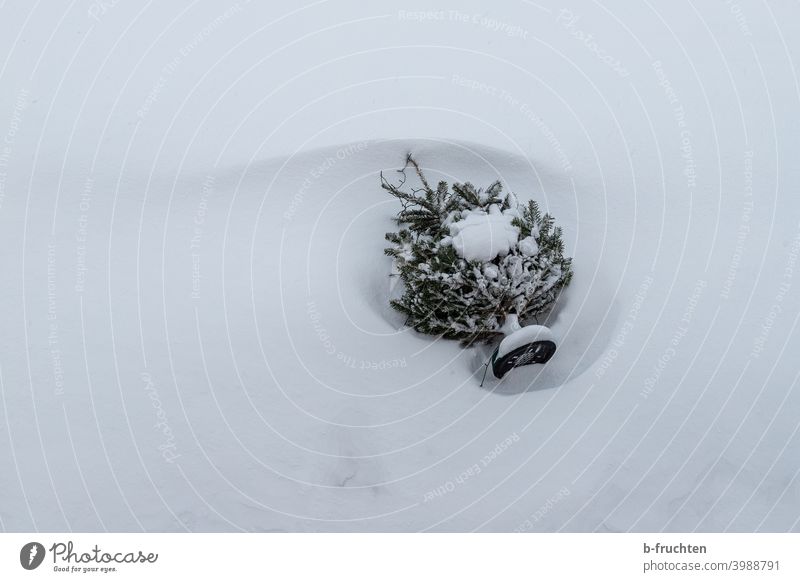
(417, 557)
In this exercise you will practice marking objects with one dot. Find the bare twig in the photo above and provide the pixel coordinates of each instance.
(413, 162)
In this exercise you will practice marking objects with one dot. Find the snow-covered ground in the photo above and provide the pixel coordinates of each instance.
(195, 331)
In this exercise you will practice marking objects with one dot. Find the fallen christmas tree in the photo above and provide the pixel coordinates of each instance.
(474, 263)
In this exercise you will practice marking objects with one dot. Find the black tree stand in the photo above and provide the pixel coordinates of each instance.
(532, 344)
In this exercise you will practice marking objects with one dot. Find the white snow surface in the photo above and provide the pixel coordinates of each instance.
(522, 336)
(482, 236)
(194, 332)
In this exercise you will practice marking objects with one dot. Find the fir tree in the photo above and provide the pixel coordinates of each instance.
(451, 294)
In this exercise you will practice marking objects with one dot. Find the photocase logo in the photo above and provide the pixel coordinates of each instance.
(31, 555)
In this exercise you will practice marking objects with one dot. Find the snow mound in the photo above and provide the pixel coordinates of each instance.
(482, 236)
(525, 335)
(528, 246)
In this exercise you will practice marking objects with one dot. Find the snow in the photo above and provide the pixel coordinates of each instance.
(511, 324)
(523, 336)
(528, 246)
(195, 333)
(482, 236)
(490, 271)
